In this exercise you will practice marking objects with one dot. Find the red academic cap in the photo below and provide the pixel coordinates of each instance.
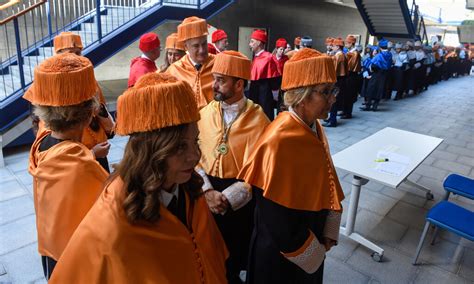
(281, 42)
(218, 35)
(211, 48)
(260, 35)
(149, 41)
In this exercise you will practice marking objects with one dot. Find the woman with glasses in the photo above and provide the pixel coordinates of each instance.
(298, 195)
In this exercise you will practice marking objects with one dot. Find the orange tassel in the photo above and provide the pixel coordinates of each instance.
(62, 80)
(232, 63)
(156, 101)
(306, 68)
(192, 27)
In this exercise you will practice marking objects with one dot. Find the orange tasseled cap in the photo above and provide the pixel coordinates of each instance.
(338, 41)
(156, 101)
(62, 80)
(308, 67)
(192, 27)
(172, 42)
(351, 39)
(232, 63)
(67, 40)
(329, 41)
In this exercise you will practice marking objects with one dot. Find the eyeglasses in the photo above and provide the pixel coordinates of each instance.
(328, 92)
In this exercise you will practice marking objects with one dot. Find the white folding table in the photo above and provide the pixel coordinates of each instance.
(359, 160)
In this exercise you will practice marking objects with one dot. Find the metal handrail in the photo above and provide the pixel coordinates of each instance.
(22, 12)
(10, 3)
(29, 33)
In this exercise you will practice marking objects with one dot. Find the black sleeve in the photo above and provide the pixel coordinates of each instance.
(287, 227)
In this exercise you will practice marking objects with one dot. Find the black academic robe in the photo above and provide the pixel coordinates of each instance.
(280, 229)
(236, 229)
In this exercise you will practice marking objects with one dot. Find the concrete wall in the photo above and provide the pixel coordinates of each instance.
(286, 19)
(289, 19)
(118, 66)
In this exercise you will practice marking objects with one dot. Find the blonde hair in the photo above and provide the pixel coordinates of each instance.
(294, 97)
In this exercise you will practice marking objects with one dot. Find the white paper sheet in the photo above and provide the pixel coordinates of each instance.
(396, 163)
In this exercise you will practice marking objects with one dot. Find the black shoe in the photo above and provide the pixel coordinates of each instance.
(346, 116)
(365, 108)
(395, 99)
(328, 124)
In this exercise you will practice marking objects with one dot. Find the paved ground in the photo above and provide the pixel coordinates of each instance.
(391, 217)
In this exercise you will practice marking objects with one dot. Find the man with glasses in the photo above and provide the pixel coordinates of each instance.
(150, 47)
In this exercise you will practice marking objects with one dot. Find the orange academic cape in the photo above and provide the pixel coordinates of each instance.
(106, 248)
(201, 81)
(341, 64)
(353, 62)
(243, 134)
(66, 182)
(293, 166)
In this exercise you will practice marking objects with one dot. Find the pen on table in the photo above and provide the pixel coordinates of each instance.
(381, 160)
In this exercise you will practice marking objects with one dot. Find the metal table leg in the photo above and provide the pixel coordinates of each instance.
(429, 195)
(348, 231)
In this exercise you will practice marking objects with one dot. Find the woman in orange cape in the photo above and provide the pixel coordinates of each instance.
(298, 195)
(151, 224)
(66, 178)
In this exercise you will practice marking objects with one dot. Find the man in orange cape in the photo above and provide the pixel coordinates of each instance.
(138, 233)
(66, 178)
(298, 195)
(195, 67)
(229, 127)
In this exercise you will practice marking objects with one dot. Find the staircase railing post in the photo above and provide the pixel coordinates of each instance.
(99, 21)
(18, 52)
(48, 15)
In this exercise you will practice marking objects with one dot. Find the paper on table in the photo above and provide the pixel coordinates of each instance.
(393, 157)
(396, 164)
(391, 168)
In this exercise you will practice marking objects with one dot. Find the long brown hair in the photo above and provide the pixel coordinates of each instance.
(143, 171)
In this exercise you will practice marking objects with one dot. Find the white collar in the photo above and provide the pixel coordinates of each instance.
(260, 52)
(230, 112)
(146, 57)
(353, 49)
(192, 62)
(237, 105)
(166, 196)
(217, 49)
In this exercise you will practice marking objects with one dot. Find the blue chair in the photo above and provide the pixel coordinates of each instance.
(456, 184)
(451, 217)
(460, 185)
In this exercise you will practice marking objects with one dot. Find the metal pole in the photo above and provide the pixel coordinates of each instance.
(99, 23)
(48, 14)
(18, 52)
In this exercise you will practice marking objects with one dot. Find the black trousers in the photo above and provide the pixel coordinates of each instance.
(236, 229)
(48, 266)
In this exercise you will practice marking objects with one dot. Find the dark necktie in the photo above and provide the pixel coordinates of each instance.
(177, 207)
(173, 206)
(198, 67)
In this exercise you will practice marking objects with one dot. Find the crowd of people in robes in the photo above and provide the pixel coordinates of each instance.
(212, 187)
